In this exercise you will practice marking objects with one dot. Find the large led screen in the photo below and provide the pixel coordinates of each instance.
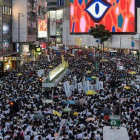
(117, 15)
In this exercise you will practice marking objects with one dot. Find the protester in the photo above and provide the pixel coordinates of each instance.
(25, 89)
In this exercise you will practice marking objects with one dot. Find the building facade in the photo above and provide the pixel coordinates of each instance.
(52, 5)
(24, 26)
(8, 56)
(7, 26)
(119, 41)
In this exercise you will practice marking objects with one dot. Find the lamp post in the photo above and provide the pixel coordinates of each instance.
(17, 44)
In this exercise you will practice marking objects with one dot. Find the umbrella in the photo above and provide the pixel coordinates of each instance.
(66, 110)
(19, 74)
(122, 79)
(56, 113)
(88, 71)
(38, 116)
(101, 73)
(131, 72)
(114, 58)
(72, 55)
(90, 119)
(93, 77)
(75, 113)
(90, 79)
(85, 74)
(105, 111)
(138, 104)
(120, 75)
(126, 87)
(137, 80)
(89, 63)
(91, 92)
(30, 80)
(50, 66)
(104, 60)
(70, 102)
(81, 101)
(47, 101)
(56, 96)
(99, 104)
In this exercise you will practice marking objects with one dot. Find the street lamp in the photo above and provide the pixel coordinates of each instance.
(19, 15)
(17, 44)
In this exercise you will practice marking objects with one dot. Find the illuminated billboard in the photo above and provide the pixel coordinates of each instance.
(117, 15)
(42, 28)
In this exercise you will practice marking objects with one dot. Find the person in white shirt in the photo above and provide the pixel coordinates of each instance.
(97, 136)
(27, 137)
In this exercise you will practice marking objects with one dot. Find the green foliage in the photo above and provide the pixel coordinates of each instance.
(100, 32)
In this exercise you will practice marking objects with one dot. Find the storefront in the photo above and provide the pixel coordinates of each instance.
(7, 63)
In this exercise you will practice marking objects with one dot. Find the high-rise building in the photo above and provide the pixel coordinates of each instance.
(51, 5)
(7, 26)
(76, 27)
(1, 5)
(42, 24)
(24, 27)
(7, 55)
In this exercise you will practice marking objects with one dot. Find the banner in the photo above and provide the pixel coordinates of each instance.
(40, 72)
(84, 80)
(87, 86)
(52, 23)
(97, 83)
(60, 129)
(80, 86)
(101, 85)
(75, 82)
(71, 89)
(67, 88)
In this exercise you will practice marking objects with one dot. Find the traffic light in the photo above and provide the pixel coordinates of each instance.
(11, 104)
(40, 81)
(14, 106)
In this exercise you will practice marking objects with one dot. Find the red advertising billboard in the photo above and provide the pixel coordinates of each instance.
(117, 15)
(42, 28)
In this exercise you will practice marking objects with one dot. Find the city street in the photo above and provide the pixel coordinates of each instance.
(85, 109)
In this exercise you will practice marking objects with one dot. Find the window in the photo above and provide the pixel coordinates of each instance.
(10, 11)
(7, 10)
(3, 10)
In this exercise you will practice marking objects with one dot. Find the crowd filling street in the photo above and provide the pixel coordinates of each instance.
(39, 113)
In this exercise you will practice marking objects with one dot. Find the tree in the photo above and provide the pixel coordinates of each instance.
(100, 32)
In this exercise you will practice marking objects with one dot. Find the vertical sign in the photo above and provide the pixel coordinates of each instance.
(52, 23)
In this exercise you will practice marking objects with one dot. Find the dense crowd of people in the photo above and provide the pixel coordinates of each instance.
(85, 118)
